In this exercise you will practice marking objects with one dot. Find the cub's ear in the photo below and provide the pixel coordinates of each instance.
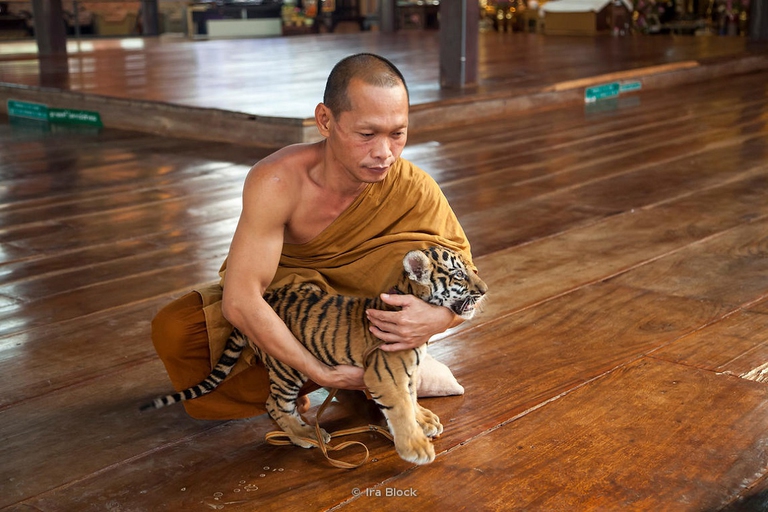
(418, 267)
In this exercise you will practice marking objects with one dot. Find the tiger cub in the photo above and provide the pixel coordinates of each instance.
(334, 329)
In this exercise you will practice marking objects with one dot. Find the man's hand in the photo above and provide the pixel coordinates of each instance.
(412, 325)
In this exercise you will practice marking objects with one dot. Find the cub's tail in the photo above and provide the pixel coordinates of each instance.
(235, 345)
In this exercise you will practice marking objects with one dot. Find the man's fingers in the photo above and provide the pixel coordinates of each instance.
(396, 300)
(381, 316)
(384, 325)
(392, 342)
(394, 347)
(384, 336)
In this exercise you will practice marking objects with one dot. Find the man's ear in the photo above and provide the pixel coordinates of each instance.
(323, 119)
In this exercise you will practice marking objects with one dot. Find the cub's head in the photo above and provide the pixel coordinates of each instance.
(442, 277)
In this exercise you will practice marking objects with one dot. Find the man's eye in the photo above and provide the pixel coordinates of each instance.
(366, 134)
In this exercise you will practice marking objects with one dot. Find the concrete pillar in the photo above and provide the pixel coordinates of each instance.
(150, 18)
(50, 33)
(387, 12)
(459, 32)
(758, 20)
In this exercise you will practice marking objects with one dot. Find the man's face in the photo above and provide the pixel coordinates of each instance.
(367, 139)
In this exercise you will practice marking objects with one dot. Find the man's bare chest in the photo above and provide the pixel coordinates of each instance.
(310, 220)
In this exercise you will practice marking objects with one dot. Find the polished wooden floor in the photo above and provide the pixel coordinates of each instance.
(285, 77)
(620, 363)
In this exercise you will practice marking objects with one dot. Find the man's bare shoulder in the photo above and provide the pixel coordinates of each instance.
(282, 172)
(290, 161)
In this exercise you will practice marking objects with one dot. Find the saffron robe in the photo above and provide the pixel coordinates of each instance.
(361, 252)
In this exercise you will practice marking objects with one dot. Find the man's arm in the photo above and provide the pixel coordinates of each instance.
(413, 325)
(251, 264)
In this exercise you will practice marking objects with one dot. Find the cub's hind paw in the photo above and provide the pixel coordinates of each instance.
(306, 437)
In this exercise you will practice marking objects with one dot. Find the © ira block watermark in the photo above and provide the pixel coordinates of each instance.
(386, 492)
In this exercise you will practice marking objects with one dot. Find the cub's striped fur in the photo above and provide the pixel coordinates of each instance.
(334, 329)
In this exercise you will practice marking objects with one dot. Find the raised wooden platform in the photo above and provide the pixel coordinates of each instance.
(263, 91)
(620, 362)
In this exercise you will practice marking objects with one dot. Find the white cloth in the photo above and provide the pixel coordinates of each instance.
(580, 5)
(436, 379)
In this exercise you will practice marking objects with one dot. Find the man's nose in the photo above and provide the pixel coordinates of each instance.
(382, 149)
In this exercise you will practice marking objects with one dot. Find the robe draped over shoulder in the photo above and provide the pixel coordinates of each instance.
(361, 252)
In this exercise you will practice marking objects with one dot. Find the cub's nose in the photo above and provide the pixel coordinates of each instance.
(482, 288)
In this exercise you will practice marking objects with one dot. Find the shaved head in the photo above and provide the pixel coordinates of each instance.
(367, 67)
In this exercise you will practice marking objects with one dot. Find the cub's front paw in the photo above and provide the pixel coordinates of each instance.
(417, 449)
(429, 422)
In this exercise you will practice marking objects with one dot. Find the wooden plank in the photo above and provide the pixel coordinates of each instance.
(118, 330)
(737, 345)
(569, 164)
(521, 276)
(106, 295)
(507, 190)
(107, 408)
(85, 349)
(760, 307)
(624, 75)
(77, 232)
(734, 263)
(657, 111)
(133, 176)
(40, 278)
(649, 436)
(569, 207)
(27, 146)
(78, 259)
(538, 353)
(564, 138)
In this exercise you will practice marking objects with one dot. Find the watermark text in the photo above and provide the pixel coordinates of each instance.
(386, 492)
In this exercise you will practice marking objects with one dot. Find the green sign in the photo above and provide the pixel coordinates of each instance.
(599, 92)
(69, 116)
(27, 110)
(630, 86)
(41, 112)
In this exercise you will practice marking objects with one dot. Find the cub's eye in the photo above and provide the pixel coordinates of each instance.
(459, 274)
